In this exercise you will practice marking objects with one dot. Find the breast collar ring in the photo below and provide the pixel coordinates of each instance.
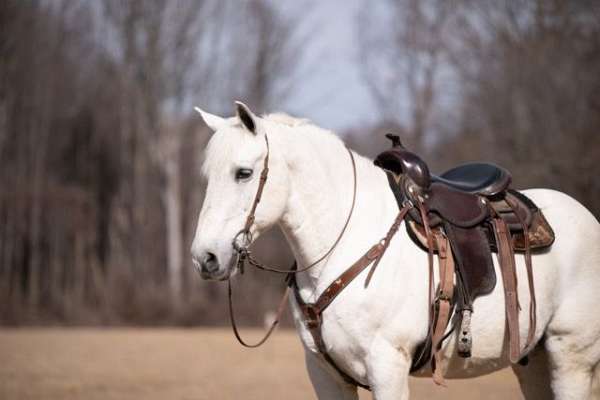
(241, 246)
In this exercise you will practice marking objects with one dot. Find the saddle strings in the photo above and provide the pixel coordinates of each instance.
(528, 265)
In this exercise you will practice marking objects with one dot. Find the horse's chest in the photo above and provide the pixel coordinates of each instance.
(344, 342)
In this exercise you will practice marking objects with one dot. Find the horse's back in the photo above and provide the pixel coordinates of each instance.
(576, 230)
(575, 251)
(558, 205)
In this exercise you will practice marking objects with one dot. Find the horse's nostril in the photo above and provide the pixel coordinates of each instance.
(210, 263)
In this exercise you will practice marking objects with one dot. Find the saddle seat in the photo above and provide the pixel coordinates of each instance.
(485, 179)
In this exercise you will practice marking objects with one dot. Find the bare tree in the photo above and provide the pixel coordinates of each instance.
(97, 139)
(529, 85)
(402, 63)
(512, 82)
(164, 49)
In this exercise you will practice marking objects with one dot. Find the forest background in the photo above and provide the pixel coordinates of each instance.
(100, 150)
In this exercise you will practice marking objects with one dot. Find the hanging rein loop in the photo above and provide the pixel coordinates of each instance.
(243, 239)
(236, 332)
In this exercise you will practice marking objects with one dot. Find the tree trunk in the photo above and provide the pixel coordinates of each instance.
(172, 203)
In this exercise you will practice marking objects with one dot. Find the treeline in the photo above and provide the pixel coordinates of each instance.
(99, 151)
(514, 82)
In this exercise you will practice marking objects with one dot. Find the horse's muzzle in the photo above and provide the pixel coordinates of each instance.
(210, 267)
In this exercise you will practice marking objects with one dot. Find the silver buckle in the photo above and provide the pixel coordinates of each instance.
(242, 248)
(408, 203)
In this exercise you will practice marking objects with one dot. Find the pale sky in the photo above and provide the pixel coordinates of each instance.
(332, 94)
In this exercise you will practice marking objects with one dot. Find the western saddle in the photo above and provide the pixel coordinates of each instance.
(464, 215)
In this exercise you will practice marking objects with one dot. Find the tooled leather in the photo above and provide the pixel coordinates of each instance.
(443, 203)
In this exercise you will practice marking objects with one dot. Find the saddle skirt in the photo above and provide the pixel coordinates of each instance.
(540, 232)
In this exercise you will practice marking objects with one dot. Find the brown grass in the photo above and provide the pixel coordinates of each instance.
(179, 364)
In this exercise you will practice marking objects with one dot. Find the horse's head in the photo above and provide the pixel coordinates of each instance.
(233, 165)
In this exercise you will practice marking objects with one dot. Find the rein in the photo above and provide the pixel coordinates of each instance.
(244, 254)
(243, 251)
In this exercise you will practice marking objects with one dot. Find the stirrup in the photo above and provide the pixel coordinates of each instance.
(465, 340)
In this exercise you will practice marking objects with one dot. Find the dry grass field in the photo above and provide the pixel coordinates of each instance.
(179, 364)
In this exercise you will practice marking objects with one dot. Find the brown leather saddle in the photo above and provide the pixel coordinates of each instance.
(472, 206)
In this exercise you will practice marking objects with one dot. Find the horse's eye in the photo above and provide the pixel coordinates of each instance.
(243, 174)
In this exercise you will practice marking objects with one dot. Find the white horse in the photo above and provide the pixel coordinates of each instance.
(371, 333)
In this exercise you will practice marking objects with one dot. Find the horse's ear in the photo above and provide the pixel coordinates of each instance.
(249, 120)
(214, 122)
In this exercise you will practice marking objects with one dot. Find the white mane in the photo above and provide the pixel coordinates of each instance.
(286, 119)
(312, 137)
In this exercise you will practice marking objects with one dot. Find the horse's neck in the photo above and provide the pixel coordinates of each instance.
(320, 199)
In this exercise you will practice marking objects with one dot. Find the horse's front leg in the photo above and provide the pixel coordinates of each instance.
(328, 383)
(388, 369)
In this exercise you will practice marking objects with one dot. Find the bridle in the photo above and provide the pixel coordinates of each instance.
(243, 239)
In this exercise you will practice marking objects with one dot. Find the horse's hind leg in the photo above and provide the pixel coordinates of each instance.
(571, 367)
(573, 331)
(534, 378)
(557, 375)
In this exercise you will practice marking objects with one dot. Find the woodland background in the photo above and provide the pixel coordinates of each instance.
(100, 151)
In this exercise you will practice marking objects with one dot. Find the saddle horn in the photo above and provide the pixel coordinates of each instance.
(401, 161)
